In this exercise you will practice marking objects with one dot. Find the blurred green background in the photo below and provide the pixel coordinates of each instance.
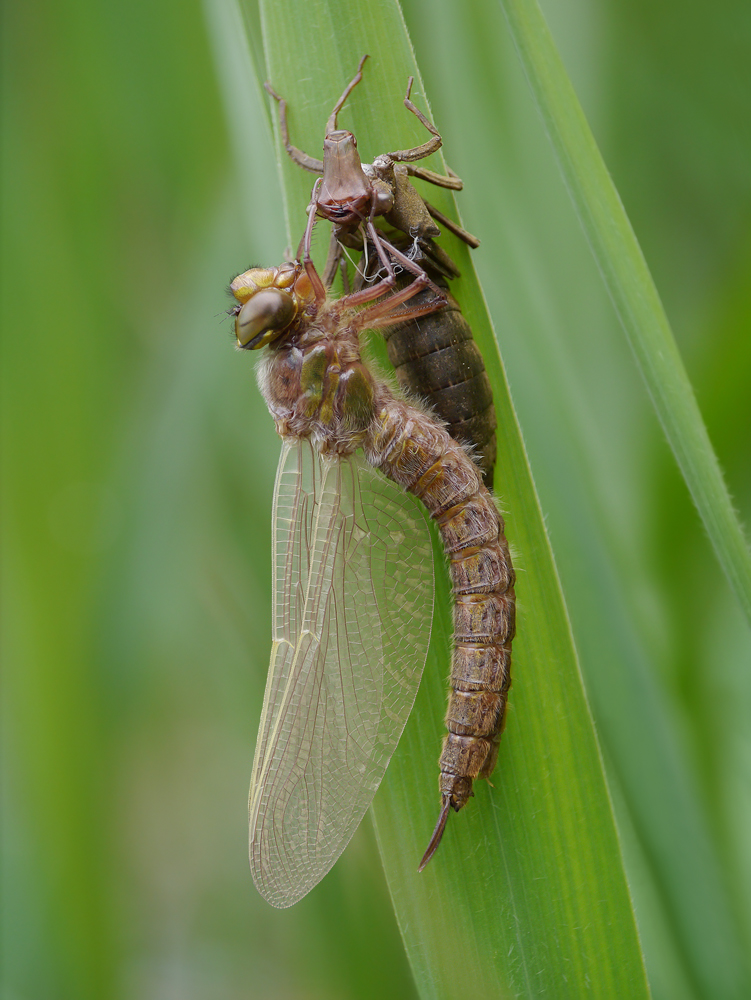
(139, 463)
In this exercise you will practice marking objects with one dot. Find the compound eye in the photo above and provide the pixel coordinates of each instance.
(263, 318)
(245, 285)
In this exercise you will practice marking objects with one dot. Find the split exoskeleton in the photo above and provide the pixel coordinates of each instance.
(436, 358)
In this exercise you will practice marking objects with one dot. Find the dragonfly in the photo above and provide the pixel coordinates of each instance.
(360, 469)
(434, 357)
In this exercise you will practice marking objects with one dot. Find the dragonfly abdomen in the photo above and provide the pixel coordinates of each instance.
(417, 453)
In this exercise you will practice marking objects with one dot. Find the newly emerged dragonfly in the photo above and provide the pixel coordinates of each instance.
(435, 357)
(352, 581)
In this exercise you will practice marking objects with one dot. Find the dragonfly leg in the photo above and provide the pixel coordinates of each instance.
(334, 259)
(382, 245)
(431, 146)
(331, 126)
(319, 289)
(453, 182)
(468, 238)
(301, 159)
(383, 313)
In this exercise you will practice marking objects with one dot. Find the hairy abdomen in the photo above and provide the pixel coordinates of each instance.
(415, 452)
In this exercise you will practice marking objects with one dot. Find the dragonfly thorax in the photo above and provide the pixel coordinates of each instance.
(319, 389)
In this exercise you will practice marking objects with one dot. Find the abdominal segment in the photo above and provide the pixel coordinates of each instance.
(417, 453)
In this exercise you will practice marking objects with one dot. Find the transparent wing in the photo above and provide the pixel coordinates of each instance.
(353, 606)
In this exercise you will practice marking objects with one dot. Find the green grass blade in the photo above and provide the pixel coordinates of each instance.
(631, 288)
(527, 893)
(594, 447)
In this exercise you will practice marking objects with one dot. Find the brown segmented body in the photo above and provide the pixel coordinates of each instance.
(419, 455)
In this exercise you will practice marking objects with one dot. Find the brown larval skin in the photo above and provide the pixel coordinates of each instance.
(435, 357)
(316, 385)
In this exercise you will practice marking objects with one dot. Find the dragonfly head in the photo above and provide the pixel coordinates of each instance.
(346, 192)
(270, 300)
